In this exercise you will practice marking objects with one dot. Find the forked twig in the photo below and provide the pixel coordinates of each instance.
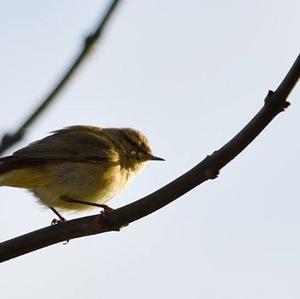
(9, 139)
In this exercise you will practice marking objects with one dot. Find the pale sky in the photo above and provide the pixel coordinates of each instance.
(189, 74)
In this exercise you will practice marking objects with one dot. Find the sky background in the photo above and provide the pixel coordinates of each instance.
(190, 75)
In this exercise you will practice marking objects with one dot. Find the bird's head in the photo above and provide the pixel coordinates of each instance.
(133, 144)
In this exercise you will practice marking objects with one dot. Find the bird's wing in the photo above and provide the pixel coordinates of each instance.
(75, 144)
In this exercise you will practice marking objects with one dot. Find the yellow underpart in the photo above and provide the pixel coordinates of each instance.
(89, 182)
(25, 178)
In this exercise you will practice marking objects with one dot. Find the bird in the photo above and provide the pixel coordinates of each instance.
(78, 167)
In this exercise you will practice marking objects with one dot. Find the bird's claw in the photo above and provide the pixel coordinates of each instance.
(106, 210)
(57, 221)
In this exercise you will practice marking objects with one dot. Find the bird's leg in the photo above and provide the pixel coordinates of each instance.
(56, 221)
(104, 213)
(106, 209)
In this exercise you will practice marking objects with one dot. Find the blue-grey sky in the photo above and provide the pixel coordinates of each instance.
(189, 74)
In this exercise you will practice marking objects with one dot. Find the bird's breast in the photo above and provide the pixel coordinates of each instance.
(96, 183)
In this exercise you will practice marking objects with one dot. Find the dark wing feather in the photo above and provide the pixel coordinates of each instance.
(75, 144)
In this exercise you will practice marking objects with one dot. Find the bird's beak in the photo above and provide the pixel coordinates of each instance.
(154, 158)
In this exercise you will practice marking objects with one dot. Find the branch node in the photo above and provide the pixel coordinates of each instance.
(286, 104)
(211, 172)
(269, 97)
(89, 41)
(274, 105)
(107, 223)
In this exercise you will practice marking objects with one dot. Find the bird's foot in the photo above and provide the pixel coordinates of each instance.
(106, 209)
(58, 221)
(105, 217)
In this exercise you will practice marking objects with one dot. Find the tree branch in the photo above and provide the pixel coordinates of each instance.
(10, 139)
(275, 102)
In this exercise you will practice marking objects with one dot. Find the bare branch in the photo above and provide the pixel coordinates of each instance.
(209, 168)
(10, 139)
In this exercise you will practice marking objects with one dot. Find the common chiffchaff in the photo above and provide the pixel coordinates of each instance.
(77, 167)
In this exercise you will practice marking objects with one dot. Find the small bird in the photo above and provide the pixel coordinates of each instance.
(77, 167)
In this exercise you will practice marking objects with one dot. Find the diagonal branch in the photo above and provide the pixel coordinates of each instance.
(10, 139)
(275, 102)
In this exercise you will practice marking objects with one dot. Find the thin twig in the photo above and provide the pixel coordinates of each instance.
(9, 139)
(209, 168)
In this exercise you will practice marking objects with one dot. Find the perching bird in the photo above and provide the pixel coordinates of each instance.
(77, 167)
